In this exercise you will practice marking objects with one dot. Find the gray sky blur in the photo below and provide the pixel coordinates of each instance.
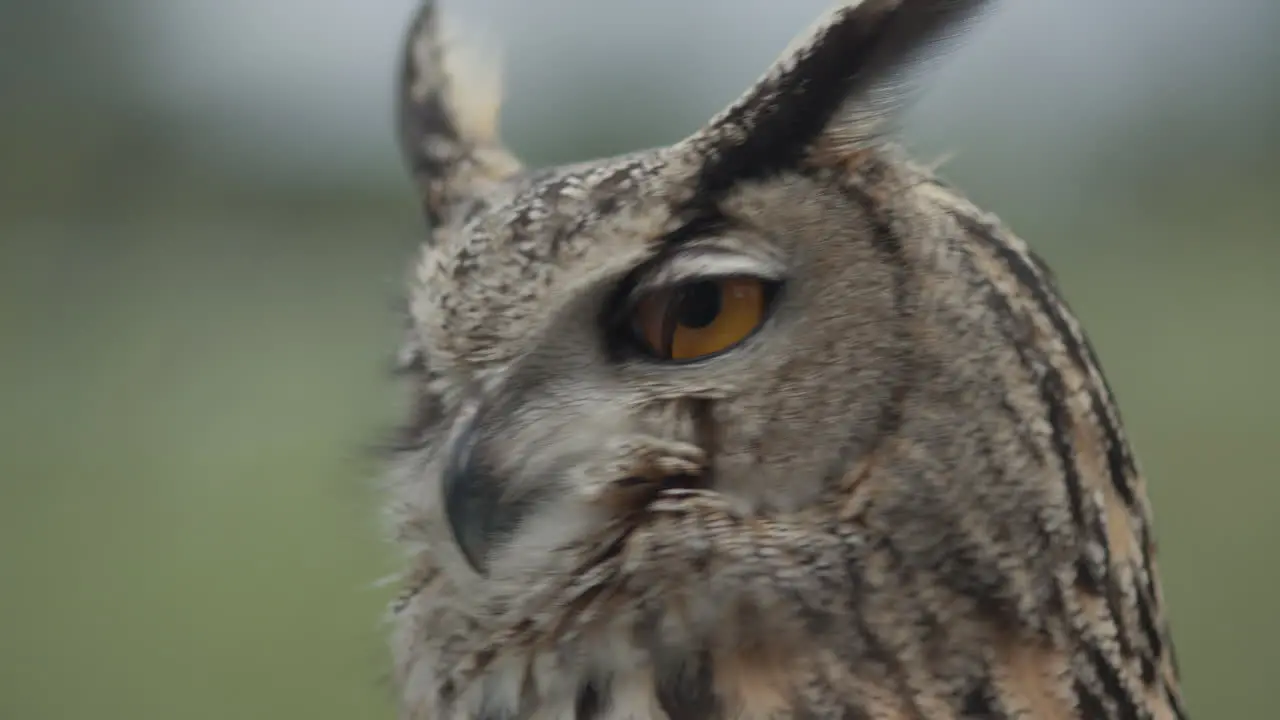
(244, 71)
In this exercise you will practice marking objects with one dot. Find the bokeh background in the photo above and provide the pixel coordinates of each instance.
(204, 224)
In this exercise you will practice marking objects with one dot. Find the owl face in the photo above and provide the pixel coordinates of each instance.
(732, 313)
(596, 333)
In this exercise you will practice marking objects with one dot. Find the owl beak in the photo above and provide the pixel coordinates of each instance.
(478, 507)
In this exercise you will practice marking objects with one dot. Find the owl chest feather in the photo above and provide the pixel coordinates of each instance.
(699, 685)
(1020, 682)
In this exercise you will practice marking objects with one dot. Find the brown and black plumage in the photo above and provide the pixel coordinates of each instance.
(768, 423)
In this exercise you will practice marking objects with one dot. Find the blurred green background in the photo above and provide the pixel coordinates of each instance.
(204, 225)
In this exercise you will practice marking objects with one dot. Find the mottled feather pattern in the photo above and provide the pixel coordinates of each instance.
(908, 495)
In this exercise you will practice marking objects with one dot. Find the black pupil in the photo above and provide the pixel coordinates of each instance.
(699, 304)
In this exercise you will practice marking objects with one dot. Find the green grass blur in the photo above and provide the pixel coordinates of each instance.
(191, 407)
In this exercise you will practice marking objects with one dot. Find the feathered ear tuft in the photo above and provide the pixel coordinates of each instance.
(448, 107)
(838, 88)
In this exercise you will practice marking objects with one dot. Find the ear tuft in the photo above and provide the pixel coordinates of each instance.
(472, 69)
(449, 101)
(837, 90)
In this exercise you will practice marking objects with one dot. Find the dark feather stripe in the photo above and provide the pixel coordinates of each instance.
(1097, 581)
(883, 238)
(428, 119)
(880, 650)
(983, 701)
(1119, 459)
(688, 692)
(864, 47)
(1175, 702)
(1119, 456)
(1114, 594)
(770, 129)
(1089, 704)
(1155, 644)
(1127, 706)
(1051, 390)
(1052, 395)
(590, 703)
(889, 245)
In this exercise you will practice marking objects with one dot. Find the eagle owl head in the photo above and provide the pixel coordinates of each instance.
(768, 422)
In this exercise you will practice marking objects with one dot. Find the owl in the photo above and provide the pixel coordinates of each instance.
(767, 423)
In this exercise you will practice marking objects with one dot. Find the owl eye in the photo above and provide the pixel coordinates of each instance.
(701, 318)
